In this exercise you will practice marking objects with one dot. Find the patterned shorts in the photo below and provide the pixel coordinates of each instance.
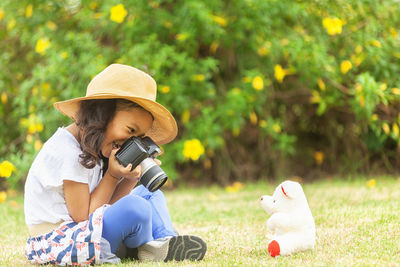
(70, 244)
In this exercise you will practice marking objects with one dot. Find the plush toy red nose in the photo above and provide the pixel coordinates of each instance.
(273, 248)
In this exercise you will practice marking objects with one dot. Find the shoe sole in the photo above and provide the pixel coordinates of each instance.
(186, 247)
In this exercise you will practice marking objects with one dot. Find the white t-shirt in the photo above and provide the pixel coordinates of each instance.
(58, 160)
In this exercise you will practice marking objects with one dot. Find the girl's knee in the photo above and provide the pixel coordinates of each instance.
(146, 194)
(158, 194)
(136, 209)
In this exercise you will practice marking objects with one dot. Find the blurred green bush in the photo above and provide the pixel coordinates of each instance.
(259, 88)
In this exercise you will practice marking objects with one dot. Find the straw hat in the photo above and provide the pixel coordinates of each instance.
(126, 82)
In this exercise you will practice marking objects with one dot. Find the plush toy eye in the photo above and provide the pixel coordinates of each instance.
(274, 201)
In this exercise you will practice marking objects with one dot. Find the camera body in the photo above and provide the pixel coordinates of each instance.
(141, 151)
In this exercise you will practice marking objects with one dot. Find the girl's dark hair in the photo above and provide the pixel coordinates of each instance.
(92, 120)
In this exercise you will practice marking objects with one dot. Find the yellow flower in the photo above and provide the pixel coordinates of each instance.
(321, 84)
(29, 11)
(263, 50)
(395, 91)
(118, 13)
(198, 77)
(182, 36)
(246, 79)
(213, 47)
(97, 15)
(42, 45)
(258, 83)
(359, 49)
(356, 60)
(230, 189)
(236, 132)
(185, 116)
(316, 97)
(29, 138)
(38, 144)
(376, 43)
(358, 88)
(284, 42)
(1, 14)
(371, 183)
(374, 117)
(6, 169)
(3, 196)
(386, 128)
(362, 100)
(279, 73)
(319, 157)
(253, 118)
(93, 5)
(345, 66)
(32, 123)
(167, 24)
(220, 20)
(165, 89)
(154, 4)
(51, 25)
(396, 54)
(4, 98)
(263, 124)
(395, 129)
(31, 129)
(276, 128)
(11, 24)
(35, 127)
(235, 187)
(64, 55)
(193, 149)
(393, 32)
(333, 25)
(45, 86)
(39, 127)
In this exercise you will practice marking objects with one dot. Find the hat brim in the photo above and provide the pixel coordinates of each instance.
(163, 130)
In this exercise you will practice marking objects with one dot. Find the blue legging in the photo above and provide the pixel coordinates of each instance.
(136, 219)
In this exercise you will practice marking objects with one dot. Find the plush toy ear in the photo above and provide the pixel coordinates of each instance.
(283, 191)
(290, 189)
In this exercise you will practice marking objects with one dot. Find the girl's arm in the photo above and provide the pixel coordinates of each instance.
(81, 203)
(122, 189)
(126, 186)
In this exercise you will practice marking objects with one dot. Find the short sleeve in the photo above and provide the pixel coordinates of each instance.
(59, 161)
(72, 170)
(54, 169)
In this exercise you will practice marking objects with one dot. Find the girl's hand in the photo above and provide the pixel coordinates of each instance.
(157, 161)
(117, 170)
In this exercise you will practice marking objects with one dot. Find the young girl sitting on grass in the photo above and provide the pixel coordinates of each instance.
(81, 205)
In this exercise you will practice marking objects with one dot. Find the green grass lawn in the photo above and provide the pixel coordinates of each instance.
(356, 225)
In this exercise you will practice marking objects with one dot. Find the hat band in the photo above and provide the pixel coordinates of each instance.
(113, 95)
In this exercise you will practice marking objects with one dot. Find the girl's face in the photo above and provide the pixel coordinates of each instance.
(125, 124)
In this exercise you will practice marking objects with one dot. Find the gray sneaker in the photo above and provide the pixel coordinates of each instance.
(124, 252)
(179, 248)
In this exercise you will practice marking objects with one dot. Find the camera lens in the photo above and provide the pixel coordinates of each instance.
(153, 177)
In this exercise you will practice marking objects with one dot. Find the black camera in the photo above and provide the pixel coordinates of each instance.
(141, 151)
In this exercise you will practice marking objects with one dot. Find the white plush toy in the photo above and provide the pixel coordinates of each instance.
(291, 222)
